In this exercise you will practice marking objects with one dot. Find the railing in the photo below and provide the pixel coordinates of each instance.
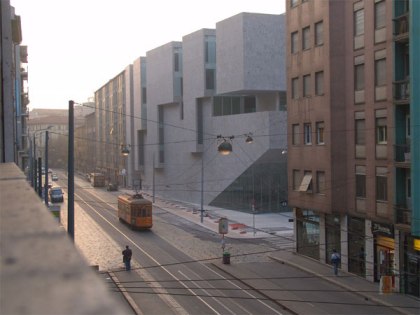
(402, 90)
(402, 153)
(402, 214)
(401, 27)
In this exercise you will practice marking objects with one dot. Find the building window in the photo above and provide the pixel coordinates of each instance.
(381, 131)
(250, 104)
(293, 3)
(177, 61)
(380, 14)
(307, 133)
(210, 49)
(319, 33)
(307, 85)
(319, 83)
(360, 181)
(381, 184)
(295, 88)
(306, 183)
(380, 72)
(295, 134)
(294, 42)
(360, 132)
(320, 182)
(296, 179)
(320, 132)
(359, 22)
(359, 77)
(227, 105)
(306, 44)
(210, 78)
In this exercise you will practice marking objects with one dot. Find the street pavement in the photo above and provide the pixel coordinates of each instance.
(276, 226)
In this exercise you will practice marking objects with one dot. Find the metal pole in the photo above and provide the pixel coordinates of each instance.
(153, 177)
(35, 175)
(31, 164)
(70, 204)
(35, 168)
(40, 177)
(46, 169)
(202, 188)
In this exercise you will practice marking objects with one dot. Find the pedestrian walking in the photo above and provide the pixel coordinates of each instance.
(335, 260)
(127, 253)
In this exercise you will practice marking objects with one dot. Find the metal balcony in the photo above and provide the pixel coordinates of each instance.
(401, 27)
(402, 215)
(402, 92)
(402, 154)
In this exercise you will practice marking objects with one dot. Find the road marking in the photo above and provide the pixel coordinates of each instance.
(246, 292)
(169, 299)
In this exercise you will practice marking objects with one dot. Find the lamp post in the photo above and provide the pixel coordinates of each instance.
(37, 182)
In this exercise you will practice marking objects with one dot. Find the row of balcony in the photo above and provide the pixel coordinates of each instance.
(401, 27)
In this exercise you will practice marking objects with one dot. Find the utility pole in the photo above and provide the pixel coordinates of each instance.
(202, 187)
(153, 177)
(40, 177)
(46, 169)
(70, 203)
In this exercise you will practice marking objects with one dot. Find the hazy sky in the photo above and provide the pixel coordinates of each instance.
(76, 46)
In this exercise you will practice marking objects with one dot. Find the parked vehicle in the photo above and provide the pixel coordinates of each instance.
(56, 194)
(112, 187)
(54, 177)
(97, 179)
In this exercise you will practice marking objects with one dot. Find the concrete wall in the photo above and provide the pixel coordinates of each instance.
(250, 53)
(41, 272)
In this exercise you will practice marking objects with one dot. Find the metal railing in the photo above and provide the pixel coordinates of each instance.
(402, 153)
(402, 90)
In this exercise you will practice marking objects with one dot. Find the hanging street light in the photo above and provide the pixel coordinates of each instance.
(124, 150)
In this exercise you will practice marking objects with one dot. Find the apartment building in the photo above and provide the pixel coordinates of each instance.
(111, 132)
(407, 142)
(341, 120)
(14, 88)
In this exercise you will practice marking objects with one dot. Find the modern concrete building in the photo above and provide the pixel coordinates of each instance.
(14, 89)
(214, 86)
(340, 59)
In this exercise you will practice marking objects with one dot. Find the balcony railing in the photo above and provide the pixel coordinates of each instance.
(402, 90)
(402, 214)
(402, 153)
(401, 28)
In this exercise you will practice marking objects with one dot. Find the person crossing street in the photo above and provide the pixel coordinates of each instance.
(127, 253)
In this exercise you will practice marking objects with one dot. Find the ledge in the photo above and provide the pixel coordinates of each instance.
(41, 271)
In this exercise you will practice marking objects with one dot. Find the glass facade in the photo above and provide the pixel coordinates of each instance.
(263, 184)
(356, 245)
(307, 233)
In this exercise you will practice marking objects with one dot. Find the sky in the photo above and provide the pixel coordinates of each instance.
(76, 46)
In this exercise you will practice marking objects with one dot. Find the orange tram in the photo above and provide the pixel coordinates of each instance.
(135, 211)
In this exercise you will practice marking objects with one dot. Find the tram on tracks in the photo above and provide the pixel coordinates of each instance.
(135, 211)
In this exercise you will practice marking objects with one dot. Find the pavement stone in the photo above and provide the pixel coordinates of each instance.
(101, 250)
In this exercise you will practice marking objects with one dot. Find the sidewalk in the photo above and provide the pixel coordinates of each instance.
(241, 225)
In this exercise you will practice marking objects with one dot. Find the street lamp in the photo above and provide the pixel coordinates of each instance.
(225, 148)
(124, 150)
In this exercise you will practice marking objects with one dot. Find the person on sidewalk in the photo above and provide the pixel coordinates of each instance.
(127, 253)
(335, 260)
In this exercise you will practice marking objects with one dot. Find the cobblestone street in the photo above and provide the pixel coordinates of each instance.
(100, 250)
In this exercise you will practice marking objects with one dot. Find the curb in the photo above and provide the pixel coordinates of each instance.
(127, 296)
(329, 279)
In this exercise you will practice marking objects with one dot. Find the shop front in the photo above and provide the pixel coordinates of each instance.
(384, 250)
(410, 270)
(356, 246)
(307, 233)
